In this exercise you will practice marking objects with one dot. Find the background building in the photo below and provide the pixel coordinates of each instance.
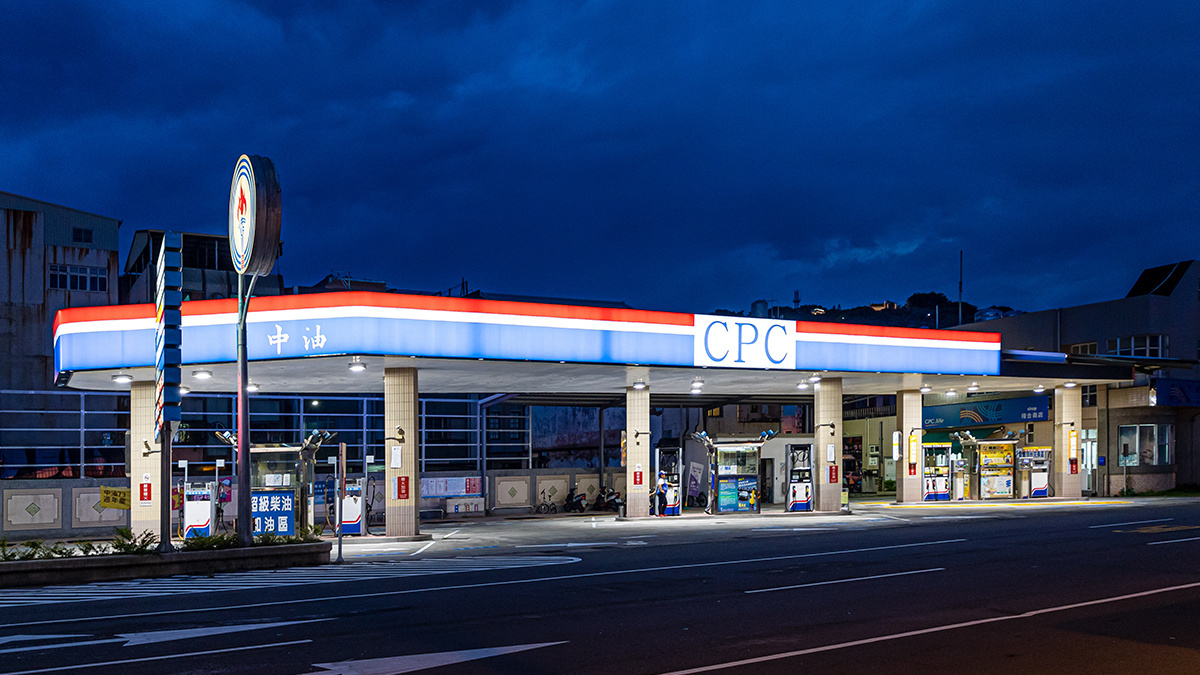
(1143, 433)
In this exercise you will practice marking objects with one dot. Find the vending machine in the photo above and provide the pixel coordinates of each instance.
(669, 462)
(800, 479)
(199, 510)
(995, 470)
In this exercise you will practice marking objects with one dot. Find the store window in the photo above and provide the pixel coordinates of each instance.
(1084, 348)
(81, 235)
(1146, 444)
(1152, 346)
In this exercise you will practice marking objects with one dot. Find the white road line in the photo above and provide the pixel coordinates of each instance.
(1132, 522)
(240, 581)
(422, 549)
(159, 658)
(845, 581)
(450, 534)
(568, 545)
(926, 631)
(1172, 541)
(488, 584)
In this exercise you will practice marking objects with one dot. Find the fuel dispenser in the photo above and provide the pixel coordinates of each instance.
(959, 481)
(800, 482)
(936, 484)
(199, 509)
(353, 501)
(669, 462)
(1033, 464)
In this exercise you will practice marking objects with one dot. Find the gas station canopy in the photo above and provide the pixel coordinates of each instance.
(342, 342)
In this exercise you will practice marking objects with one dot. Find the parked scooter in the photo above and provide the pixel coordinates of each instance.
(575, 502)
(609, 500)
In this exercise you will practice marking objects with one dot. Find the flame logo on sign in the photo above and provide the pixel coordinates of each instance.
(241, 207)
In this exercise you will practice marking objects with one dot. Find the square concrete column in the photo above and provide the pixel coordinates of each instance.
(827, 442)
(144, 468)
(908, 419)
(402, 497)
(1068, 417)
(637, 453)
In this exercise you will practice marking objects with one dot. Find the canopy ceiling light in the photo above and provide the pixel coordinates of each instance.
(1069, 385)
(357, 366)
(802, 385)
(925, 389)
(1039, 389)
(252, 387)
(815, 378)
(184, 391)
(951, 392)
(697, 385)
(202, 374)
(973, 387)
(122, 378)
(639, 385)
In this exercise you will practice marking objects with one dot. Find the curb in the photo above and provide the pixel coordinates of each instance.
(91, 569)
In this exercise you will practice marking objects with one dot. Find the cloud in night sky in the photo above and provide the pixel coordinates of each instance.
(676, 155)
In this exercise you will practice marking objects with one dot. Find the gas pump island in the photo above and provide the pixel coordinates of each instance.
(800, 477)
(670, 486)
(733, 472)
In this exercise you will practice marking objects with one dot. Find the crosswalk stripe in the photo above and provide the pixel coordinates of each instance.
(237, 581)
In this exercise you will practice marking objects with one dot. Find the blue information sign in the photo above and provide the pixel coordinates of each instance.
(273, 511)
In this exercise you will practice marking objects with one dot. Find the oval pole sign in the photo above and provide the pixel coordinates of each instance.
(254, 215)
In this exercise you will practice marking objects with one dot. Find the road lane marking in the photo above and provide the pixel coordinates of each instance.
(926, 631)
(1132, 522)
(422, 549)
(159, 658)
(487, 584)
(240, 581)
(394, 665)
(1172, 541)
(575, 544)
(844, 581)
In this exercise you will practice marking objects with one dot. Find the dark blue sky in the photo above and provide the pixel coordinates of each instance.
(675, 155)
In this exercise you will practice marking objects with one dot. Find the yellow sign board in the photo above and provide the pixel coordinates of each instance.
(114, 498)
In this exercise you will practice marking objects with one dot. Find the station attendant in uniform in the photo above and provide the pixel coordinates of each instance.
(661, 493)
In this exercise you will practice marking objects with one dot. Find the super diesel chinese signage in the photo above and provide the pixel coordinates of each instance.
(286, 327)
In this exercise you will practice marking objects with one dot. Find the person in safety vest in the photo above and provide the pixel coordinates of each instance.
(661, 493)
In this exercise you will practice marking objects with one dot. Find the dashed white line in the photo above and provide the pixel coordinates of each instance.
(422, 549)
(1132, 522)
(844, 581)
(1173, 541)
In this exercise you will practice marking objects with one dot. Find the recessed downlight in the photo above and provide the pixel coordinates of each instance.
(202, 374)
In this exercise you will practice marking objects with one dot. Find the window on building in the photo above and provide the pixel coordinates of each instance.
(1146, 444)
(1152, 346)
(1029, 433)
(715, 412)
(78, 278)
(81, 235)
(1087, 395)
(1084, 348)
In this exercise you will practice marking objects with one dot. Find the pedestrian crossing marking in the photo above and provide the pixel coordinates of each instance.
(240, 581)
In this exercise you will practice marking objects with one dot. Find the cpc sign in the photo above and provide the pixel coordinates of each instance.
(254, 215)
(739, 342)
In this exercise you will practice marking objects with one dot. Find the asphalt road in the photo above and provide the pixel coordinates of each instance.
(1102, 587)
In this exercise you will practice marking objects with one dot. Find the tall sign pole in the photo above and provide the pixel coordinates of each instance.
(168, 339)
(254, 222)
